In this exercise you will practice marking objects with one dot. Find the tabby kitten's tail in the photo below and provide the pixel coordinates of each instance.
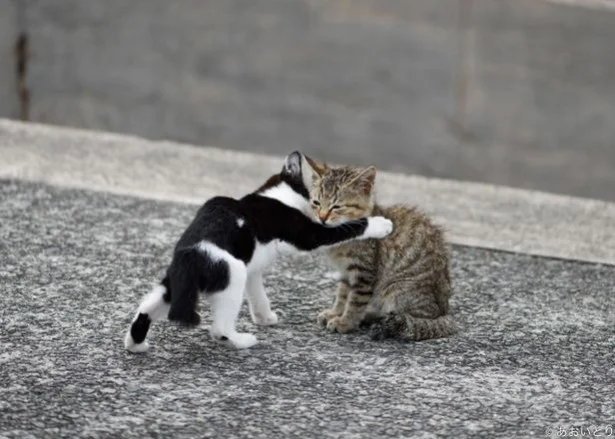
(409, 328)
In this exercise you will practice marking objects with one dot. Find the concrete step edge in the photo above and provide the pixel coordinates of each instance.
(474, 214)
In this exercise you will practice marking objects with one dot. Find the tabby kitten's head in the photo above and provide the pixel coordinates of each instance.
(341, 193)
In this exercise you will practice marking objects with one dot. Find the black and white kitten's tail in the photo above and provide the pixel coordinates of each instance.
(409, 328)
(154, 306)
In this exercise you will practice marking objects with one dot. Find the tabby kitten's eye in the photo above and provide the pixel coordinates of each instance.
(316, 202)
(335, 206)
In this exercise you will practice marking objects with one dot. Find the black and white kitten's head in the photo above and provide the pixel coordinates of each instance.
(292, 185)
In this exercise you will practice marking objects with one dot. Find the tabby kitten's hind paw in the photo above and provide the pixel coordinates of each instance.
(388, 328)
(325, 316)
(377, 334)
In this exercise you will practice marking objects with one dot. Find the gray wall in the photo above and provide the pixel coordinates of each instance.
(515, 92)
(9, 23)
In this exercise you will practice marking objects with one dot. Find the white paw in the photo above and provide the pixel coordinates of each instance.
(335, 275)
(265, 319)
(378, 227)
(130, 345)
(243, 340)
(217, 334)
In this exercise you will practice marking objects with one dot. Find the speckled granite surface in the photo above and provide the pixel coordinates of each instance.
(536, 351)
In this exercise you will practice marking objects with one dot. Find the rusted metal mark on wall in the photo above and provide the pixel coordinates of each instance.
(21, 74)
(462, 72)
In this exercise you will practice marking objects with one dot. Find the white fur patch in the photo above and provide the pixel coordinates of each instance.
(153, 305)
(225, 305)
(264, 255)
(156, 308)
(130, 345)
(334, 275)
(285, 194)
(215, 252)
(240, 222)
(260, 307)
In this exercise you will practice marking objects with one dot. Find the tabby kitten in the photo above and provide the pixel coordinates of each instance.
(399, 285)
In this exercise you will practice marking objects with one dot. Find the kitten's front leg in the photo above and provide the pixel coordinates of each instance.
(260, 307)
(338, 307)
(360, 292)
(353, 314)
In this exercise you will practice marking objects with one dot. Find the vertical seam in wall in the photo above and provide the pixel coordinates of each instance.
(462, 68)
(21, 54)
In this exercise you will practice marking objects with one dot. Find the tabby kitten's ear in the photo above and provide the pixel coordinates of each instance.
(319, 168)
(365, 180)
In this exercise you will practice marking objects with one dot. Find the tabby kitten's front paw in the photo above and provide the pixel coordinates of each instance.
(339, 324)
(325, 316)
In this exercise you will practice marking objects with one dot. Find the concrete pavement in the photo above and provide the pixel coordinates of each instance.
(534, 352)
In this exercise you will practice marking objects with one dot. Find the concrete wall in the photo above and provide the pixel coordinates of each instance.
(9, 22)
(515, 92)
(541, 96)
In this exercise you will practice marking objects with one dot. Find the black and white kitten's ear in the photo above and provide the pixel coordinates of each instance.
(365, 179)
(296, 170)
(317, 167)
(292, 164)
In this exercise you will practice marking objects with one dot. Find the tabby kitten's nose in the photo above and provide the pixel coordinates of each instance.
(323, 216)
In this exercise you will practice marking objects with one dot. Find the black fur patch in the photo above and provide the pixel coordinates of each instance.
(139, 328)
(167, 286)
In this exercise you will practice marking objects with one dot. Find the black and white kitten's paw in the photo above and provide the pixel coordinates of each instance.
(239, 340)
(378, 227)
(269, 318)
(243, 340)
(137, 348)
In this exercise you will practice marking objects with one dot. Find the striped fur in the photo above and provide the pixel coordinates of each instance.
(400, 286)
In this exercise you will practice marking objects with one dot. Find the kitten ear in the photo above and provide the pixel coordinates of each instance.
(366, 179)
(292, 164)
(319, 168)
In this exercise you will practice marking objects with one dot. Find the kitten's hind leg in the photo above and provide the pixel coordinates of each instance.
(225, 306)
(154, 306)
(260, 307)
(370, 318)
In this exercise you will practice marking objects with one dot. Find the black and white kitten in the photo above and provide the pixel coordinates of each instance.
(225, 249)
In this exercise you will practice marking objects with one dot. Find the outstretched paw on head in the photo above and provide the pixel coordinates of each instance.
(378, 227)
